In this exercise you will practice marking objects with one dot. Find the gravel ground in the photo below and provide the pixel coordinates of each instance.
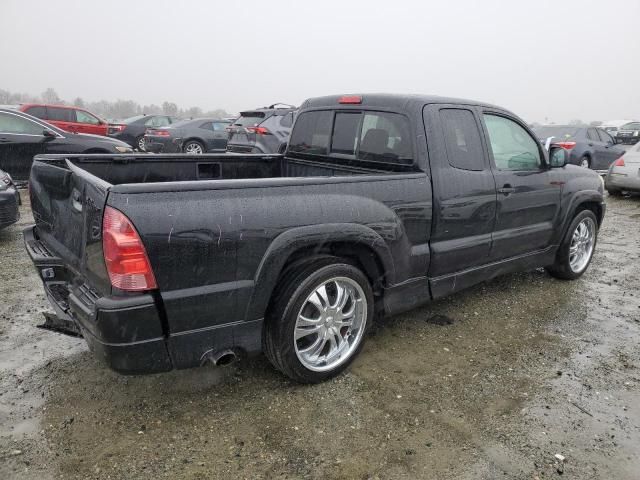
(530, 368)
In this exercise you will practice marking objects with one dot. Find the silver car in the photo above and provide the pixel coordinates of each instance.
(624, 173)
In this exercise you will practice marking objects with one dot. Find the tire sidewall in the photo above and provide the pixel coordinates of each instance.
(294, 303)
(564, 256)
(193, 141)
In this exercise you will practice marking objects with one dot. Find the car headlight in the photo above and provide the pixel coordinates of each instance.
(124, 149)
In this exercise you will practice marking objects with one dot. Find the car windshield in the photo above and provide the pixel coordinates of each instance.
(631, 126)
(556, 131)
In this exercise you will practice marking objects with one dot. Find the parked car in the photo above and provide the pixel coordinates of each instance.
(69, 119)
(264, 130)
(9, 201)
(379, 204)
(196, 136)
(624, 173)
(588, 147)
(612, 126)
(23, 136)
(629, 133)
(132, 130)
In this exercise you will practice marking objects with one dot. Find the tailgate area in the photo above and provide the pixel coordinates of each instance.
(125, 332)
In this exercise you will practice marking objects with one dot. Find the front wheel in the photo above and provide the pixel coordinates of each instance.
(585, 162)
(318, 320)
(140, 143)
(576, 250)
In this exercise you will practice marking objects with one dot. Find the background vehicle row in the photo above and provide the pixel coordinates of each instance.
(23, 136)
(588, 147)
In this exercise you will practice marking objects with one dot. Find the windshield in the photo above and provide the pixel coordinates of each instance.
(559, 131)
(631, 126)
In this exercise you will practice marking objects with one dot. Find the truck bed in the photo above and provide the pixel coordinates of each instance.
(164, 168)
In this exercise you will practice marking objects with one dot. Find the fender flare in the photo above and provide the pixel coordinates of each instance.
(290, 241)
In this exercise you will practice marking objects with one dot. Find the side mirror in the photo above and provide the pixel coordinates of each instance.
(558, 157)
(48, 135)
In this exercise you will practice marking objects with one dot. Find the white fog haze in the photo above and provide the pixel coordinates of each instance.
(542, 59)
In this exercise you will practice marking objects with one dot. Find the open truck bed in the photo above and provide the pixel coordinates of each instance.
(216, 230)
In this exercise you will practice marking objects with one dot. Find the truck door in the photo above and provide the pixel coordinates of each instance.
(464, 193)
(528, 198)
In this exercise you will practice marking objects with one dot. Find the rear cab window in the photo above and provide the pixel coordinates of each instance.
(356, 135)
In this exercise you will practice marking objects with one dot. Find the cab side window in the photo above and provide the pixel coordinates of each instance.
(84, 117)
(462, 139)
(511, 145)
(14, 124)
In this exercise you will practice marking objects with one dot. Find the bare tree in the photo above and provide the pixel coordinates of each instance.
(78, 102)
(50, 96)
(170, 108)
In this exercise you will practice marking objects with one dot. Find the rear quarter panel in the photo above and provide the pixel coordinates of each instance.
(207, 246)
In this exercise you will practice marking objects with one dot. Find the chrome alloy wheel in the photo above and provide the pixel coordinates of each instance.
(582, 244)
(141, 144)
(330, 324)
(193, 149)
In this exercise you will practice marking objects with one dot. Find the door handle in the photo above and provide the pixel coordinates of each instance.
(506, 190)
(590, 144)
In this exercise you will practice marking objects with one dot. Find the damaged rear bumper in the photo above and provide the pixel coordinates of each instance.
(124, 332)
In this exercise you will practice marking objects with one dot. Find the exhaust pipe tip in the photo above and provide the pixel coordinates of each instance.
(225, 358)
(220, 358)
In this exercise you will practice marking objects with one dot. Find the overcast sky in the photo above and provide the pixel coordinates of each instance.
(555, 60)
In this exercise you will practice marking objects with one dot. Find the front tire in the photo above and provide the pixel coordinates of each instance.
(139, 142)
(318, 319)
(614, 193)
(576, 250)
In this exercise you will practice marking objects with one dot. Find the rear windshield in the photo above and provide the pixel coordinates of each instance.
(132, 119)
(249, 119)
(556, 131)
(363, 135)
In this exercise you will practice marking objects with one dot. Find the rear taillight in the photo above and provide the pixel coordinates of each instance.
(619, 162)
(124, 254)
(258, 130)
(566, 145)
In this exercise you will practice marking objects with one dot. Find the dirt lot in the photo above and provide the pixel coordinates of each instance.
(530, 367)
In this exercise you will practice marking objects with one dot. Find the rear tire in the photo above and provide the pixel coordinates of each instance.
(193, 147)
(318, 319)
(614, 193)
(576, 250)
(139, 143)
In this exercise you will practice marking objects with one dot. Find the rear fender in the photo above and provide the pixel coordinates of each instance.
(306, 237)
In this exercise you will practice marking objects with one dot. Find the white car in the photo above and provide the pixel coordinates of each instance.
(624, 173)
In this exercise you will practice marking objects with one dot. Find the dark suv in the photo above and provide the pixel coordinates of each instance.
(263, 130)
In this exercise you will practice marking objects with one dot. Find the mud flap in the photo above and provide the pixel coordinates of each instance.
(60, 325)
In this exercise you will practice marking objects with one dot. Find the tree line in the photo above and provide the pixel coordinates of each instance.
(109, 110)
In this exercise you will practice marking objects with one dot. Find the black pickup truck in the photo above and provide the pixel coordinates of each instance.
(379, 204)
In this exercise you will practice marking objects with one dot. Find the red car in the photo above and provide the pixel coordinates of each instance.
(71, 119)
